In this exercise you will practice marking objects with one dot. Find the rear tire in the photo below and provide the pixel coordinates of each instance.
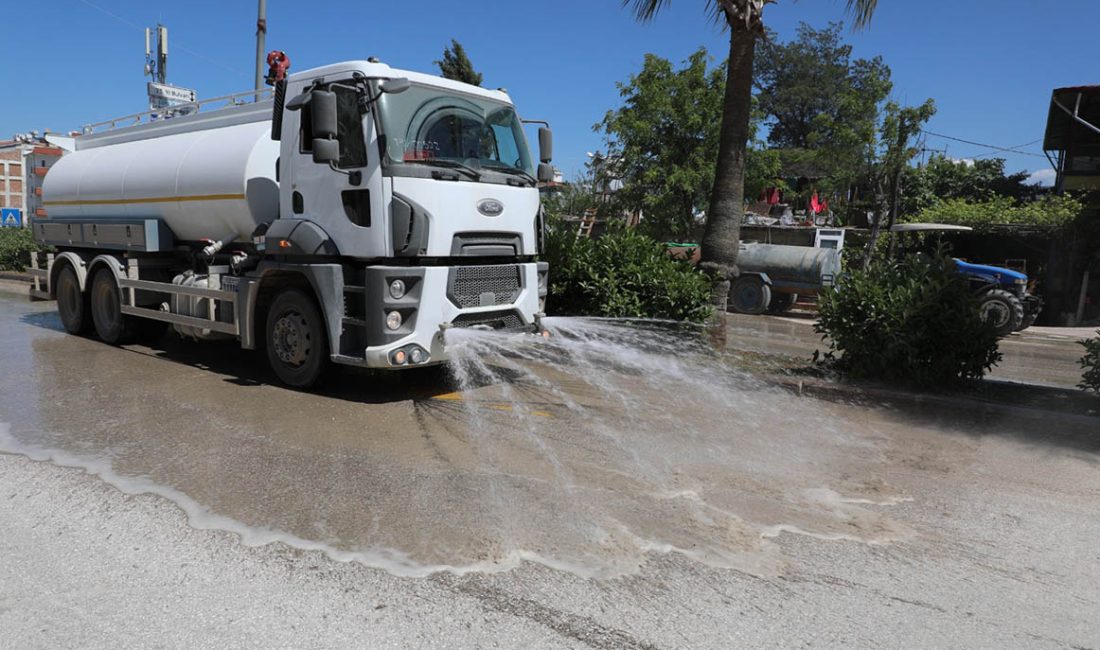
(297, 346)
(110, 324)
(1003, 310)
(72, 303)
(781, 302)
(749, 295)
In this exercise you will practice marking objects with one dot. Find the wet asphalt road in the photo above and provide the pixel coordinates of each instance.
(169, 495)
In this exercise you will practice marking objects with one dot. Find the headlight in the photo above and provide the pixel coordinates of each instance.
(397, 289)
(1020, 281)
(393, 320)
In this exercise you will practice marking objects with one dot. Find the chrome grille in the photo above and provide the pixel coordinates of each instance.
(484, 286)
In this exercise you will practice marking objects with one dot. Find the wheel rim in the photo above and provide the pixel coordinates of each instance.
(292, 340)
(996, 313)
(748, 296)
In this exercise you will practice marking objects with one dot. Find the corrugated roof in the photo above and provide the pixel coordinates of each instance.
(1059, 122)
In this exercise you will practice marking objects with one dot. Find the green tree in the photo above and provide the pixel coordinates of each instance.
(900, 126)
(663, 143)
(664, 140)
(457, 66)
(744, 20)
(974, 181)
(814, 94)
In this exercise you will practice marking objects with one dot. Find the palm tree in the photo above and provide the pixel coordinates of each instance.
(744, 20)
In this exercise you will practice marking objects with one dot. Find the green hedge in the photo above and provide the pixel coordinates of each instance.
(915, 321)
(1053, 211)
(16, 245)
(1090, 364)
(621, 274)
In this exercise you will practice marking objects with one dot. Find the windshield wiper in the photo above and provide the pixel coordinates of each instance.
(514, 171)
(441, 162)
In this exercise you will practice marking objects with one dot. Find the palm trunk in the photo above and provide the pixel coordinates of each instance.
(723, 228)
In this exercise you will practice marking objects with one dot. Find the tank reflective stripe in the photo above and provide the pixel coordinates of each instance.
(154, 199)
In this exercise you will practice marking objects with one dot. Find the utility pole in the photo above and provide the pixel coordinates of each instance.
(261, 32)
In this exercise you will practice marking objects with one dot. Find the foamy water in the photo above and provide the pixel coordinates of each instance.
(588, 452)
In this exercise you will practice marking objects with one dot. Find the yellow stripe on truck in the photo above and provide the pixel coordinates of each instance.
(152, 199)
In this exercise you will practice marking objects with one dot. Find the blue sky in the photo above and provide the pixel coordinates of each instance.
(989, 64)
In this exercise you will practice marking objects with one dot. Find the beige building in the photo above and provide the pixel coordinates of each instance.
(24, 162)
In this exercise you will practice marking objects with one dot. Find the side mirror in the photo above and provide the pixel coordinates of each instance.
(394, 86)
(546, 173)
(546, 144)
(326, 151)
(322, 106)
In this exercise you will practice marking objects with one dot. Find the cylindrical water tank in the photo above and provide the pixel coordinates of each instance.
(789, 263)
(205, 184)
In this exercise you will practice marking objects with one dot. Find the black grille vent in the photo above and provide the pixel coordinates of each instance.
(484, 286)
(493, 319)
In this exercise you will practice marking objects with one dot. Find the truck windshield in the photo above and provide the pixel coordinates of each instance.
(426, 125)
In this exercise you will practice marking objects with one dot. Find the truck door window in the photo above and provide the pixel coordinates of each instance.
(349, 129)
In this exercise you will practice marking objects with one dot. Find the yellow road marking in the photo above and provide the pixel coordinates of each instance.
(496, 406)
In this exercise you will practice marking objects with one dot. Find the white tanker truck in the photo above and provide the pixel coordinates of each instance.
(350, 219)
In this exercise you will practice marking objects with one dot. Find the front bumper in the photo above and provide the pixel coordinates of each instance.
(501, 296)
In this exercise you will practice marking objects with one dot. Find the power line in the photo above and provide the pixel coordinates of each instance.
(142, 29)
(987, 146)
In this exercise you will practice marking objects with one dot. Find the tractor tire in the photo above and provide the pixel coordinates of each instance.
(782, 302)
(1002, 309)
(297, 346)
(749, 295)
(1028, 321)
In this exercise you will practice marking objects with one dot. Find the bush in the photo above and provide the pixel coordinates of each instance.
(1090, 363)
(1053, 211)
(915, 320)
(16, 245)
(622, 274)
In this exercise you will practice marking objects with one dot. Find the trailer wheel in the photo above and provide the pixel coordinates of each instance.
(297, 347)
(72, 303)
(110, 324)
(782, 302)
(749, 295)
(1001, 309)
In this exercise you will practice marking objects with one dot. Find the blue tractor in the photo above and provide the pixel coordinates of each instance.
(1004, 296)
(1003, 293)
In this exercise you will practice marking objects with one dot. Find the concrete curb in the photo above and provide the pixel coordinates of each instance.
(14, 286)
(871, 394)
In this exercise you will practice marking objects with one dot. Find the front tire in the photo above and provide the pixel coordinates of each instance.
(297, 347)
(72, 303)
(110, 324)
(749, 295)
(1002, 310)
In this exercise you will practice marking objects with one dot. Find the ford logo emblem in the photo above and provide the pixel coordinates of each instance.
(490, 207)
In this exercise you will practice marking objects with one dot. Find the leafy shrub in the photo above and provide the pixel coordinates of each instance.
(622, 274)
(1054, 211)
(16, 245)
(915, 320)
(1090, 363)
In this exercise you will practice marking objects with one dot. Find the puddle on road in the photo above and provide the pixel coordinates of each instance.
(586, 452)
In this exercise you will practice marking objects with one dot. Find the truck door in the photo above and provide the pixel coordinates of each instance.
(346, 201)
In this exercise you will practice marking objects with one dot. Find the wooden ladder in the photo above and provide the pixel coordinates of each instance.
(588, 222)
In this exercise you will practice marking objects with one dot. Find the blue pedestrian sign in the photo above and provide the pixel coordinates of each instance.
(11, 217)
